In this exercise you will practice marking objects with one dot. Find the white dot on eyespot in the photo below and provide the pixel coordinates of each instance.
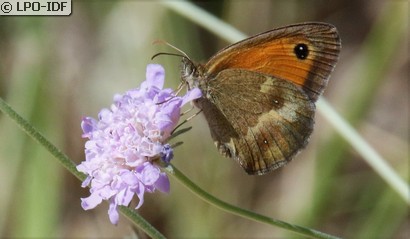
(265, 141)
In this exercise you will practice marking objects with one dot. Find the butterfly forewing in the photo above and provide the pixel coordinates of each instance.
(273, 53)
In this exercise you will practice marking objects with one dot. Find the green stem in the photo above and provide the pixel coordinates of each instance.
(132, 215)
(39, 138)
(240, 211)
(139, 221)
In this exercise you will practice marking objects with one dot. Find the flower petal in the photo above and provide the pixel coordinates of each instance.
(193, 94)
(88, 124)
(155, 76)
(162, 183)
(90, 202)
(113, 214)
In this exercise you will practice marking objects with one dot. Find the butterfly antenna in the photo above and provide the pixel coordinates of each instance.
(179, 54)
(182, 53)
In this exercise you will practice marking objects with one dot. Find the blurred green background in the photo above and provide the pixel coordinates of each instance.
(55, 70)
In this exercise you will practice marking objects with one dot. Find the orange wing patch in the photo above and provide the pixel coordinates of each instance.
(273, 53)
(275, 58)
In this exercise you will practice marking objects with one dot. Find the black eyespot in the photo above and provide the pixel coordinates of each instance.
(301, 51)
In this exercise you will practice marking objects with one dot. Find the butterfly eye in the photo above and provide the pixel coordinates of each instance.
(301, 51)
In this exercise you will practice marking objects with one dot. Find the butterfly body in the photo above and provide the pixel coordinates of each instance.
(259, 94)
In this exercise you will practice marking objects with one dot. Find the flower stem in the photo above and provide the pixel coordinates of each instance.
(240, 211)
(138, 220)
(132, 215)
(39, 138)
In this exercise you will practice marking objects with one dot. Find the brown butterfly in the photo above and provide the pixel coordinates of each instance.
(259, 93)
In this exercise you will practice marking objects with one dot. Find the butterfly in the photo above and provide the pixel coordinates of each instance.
(259, 94)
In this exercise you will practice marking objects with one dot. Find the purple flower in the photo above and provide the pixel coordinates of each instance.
(126, 139)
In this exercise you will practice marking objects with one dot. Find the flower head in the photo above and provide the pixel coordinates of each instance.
(125, 140)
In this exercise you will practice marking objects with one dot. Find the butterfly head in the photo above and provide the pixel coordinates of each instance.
(192, 73)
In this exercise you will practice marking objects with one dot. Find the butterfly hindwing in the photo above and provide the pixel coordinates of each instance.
(267, 120)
